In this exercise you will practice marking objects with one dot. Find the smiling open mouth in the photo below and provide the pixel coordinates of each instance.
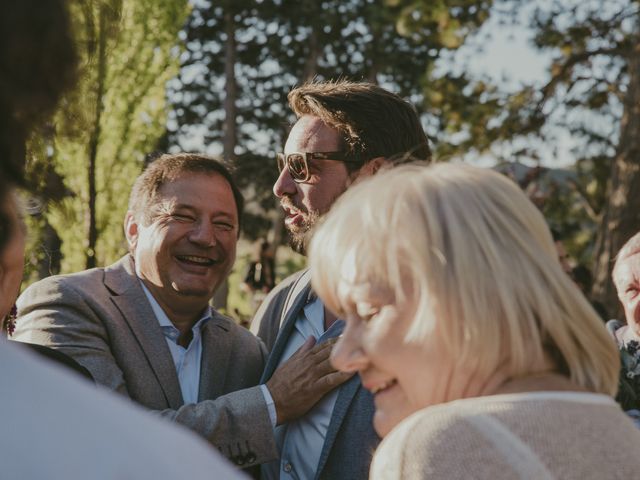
(195, 260)
(384, 386)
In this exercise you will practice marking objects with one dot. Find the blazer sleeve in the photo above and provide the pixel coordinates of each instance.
(55, 314)
(58, 314)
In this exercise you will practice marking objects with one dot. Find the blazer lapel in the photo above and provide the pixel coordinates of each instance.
(283, 336)
(215, 358)
(130, 299)
(346, 393)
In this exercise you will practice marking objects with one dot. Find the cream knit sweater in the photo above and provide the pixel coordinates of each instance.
(540, 435)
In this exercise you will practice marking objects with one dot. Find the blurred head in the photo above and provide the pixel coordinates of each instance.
(37, 61)
(447, 277)
(362, 125)
(626, 277)
(12, 242)
(182, 227)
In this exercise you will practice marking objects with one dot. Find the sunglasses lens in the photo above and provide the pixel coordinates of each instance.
(297, 166)
(280, 160)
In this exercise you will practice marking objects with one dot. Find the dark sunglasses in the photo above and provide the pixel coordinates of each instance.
(297, 163)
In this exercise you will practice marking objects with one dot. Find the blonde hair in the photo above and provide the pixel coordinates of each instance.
(478, 259)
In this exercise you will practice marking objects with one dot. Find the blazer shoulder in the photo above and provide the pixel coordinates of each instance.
(266, 321)
(83, 280)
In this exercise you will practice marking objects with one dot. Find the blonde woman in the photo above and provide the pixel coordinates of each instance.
(484, 358)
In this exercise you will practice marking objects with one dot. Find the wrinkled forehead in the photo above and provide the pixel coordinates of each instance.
(310, 134)
(627, 268)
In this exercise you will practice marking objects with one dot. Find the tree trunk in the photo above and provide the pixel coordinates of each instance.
(94, 141)
(230, 115)
(311, 64)
(621, 218)
(231, 90)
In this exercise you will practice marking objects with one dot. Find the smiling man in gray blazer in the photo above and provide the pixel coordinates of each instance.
(143, 326)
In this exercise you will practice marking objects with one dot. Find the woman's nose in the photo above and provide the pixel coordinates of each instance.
(347, 354)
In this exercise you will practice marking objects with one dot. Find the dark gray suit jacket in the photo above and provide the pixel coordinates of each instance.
(351, 439)
(102, 319)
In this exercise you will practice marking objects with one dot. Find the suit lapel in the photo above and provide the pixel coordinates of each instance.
(346, 393)
(283, 336)
(130, 299)
(215, 358)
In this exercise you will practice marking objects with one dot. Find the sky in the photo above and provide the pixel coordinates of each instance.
(508, 58)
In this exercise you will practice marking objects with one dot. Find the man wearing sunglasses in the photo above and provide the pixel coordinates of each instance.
(345, 131)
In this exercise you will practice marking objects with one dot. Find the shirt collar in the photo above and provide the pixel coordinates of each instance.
(162, 317)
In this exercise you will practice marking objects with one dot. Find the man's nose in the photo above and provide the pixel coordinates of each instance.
(347, 354)
(204, 234)
(284, 186)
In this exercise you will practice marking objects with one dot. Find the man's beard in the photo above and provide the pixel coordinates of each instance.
(299, 236)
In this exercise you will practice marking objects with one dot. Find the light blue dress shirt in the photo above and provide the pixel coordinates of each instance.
(186, 360)
(300, 442)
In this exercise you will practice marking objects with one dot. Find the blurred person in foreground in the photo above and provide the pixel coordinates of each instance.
(345, 131)
(484, 358)
(52, 424)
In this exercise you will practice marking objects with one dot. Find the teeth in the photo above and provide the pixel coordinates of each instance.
(191, 258)
(383, 386)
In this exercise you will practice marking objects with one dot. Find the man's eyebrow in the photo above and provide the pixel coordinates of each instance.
(181, 206)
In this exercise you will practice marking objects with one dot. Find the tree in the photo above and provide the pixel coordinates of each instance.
(281, 43)
(99, 139)
(594, 92)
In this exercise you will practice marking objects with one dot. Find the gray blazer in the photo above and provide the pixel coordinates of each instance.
(102, 319)
(351, 439)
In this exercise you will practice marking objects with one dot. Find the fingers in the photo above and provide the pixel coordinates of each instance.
(307, 346)
(334, 379)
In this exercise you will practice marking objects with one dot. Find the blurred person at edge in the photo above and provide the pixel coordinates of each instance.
(626, 278)
(484, 358)
(53, 424)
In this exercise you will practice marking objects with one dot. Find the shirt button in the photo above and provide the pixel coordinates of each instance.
(288, 467)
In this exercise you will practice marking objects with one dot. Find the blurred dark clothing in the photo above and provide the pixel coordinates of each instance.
(261, 275)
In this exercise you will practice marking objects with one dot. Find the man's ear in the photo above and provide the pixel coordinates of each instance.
(131, 230)
(372, 167)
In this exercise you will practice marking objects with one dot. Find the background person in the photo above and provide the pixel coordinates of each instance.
(626, 277)
(484, 358)
(261, 275)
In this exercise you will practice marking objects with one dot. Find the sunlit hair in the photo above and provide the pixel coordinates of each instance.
(476, 255)
(373, 122)
(168, 168)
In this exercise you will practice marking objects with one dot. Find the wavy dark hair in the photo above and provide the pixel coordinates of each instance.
(372, 121)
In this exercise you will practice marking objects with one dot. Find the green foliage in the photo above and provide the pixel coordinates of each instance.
(116, 113)
(282, 43)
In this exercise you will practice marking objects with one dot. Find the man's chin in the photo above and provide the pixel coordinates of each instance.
(192, 291)
(298, 240)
